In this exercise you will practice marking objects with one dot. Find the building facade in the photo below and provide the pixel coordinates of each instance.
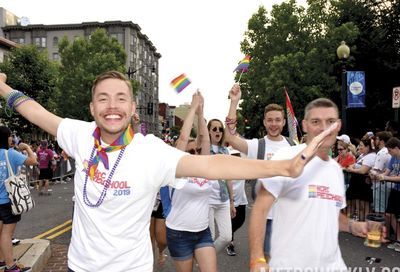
(141, 64)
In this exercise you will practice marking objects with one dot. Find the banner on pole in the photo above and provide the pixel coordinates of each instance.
(356, 89)
(291, 118)
(396, 98)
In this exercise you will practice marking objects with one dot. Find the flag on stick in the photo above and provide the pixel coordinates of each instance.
(243, 66)
(179, 83)
(291, 118)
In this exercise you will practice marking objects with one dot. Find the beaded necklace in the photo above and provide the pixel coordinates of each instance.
(106, 184)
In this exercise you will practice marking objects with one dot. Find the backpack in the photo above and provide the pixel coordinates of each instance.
(261, 156)
(261, 147)
(166, 199)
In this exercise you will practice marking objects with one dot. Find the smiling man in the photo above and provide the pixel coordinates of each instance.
(307, 215)
(264, 148)
(118, 174)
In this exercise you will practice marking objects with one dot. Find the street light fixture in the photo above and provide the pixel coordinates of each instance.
(343, 53)
(132, 71)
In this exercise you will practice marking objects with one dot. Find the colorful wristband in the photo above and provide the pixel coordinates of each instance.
(257, 261)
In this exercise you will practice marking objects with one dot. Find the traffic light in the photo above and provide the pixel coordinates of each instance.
(150, 108)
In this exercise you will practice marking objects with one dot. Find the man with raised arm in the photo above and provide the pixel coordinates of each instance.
(118, 173)
(264, 148)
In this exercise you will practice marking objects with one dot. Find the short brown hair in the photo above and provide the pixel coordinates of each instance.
(320, 103)
(112, 74)
(393, 143)
(274, 107)
(384, 135)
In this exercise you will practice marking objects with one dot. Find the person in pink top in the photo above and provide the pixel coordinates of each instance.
(45, 156)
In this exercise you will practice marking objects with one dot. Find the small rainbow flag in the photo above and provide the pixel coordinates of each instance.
(179, 83)
(243, 65)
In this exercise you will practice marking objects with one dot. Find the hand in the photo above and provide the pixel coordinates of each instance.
(233, 210)
(360, 229)
(23, 146)
(235, 93)
(3, 77)
(199, 110)
(195, 100)
(297, 164)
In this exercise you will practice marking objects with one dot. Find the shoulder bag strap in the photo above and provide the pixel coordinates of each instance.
(261, 149)
(10, 171)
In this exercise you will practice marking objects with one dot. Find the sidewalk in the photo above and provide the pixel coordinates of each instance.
(33, 253)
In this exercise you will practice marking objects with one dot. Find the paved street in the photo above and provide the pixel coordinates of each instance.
(56, 209)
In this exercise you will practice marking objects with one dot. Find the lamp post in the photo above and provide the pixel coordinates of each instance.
(132, 71)
(343, 52)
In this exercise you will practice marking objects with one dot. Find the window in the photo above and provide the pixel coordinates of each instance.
(55, 41)
(56, 56)
(19, 40)
(40, 42)
(118, 37)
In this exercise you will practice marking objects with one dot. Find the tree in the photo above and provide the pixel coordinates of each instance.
(29, 70)
(296, 47)
(81, 61)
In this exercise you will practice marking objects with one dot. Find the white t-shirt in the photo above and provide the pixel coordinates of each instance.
(270, 148)
(189, 206)
(382, 159)
(367, 160)
(306, 221)
(117, 232)
(239, 193)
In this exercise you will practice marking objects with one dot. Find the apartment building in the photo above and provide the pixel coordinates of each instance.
(142, 55)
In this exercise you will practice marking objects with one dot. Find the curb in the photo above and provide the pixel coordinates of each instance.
(34, 253)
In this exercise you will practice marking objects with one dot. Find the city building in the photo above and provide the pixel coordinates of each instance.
(142, 56)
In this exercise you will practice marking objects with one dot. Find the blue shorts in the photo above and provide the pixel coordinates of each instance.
(182, 244)
(6, 215)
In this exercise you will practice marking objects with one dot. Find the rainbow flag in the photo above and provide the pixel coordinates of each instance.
(243, 66)
(291, 118)
(179, 83)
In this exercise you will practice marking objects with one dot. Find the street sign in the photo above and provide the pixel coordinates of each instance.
(396, 98)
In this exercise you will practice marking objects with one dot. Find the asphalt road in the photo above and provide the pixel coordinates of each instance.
(54, 210)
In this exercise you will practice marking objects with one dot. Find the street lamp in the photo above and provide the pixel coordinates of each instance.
(343, 53)
(132, 71)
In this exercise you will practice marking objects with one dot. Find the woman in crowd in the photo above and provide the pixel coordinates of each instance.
(345, 158)
(221, 200)
(359, 192)
(8, 221)
(188, 233)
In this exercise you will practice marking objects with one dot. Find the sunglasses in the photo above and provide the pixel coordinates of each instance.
(193, 151)
(340, 149)
(220, 129)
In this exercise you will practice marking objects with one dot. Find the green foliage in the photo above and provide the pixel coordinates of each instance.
(81, 61)
(29, 70)
(296, 47)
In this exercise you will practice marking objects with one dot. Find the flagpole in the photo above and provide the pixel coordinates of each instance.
(240, 76)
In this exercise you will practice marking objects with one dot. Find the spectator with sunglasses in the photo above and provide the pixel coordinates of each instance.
(221, 202)
(345, 158)
(188, 233)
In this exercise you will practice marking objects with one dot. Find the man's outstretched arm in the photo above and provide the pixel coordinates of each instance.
(33, 111)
